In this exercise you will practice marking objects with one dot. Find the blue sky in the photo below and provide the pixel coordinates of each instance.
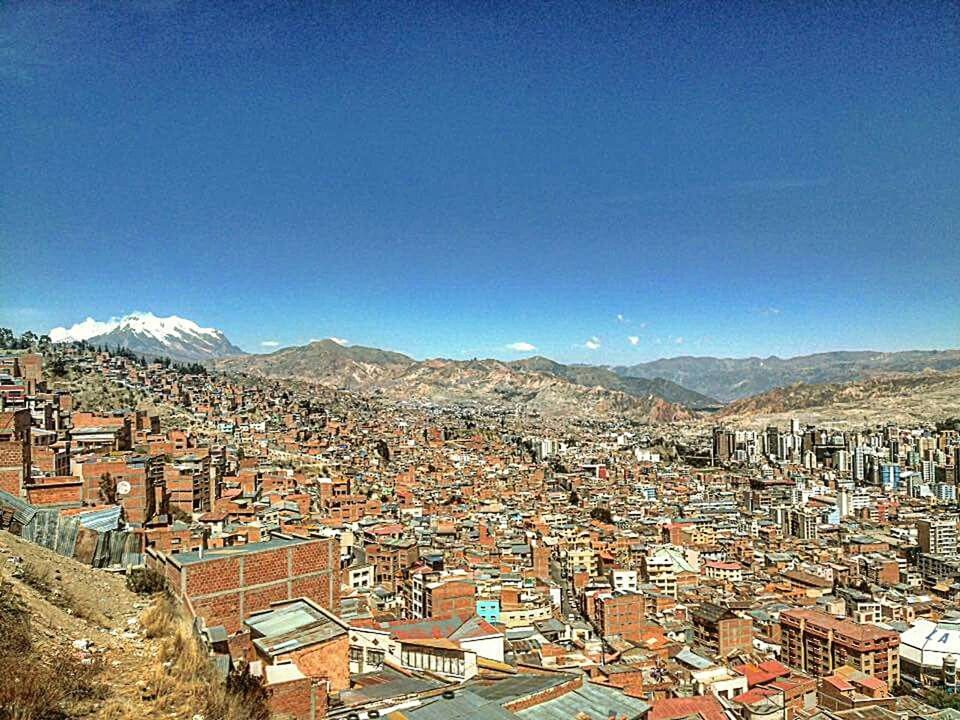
(452, 178)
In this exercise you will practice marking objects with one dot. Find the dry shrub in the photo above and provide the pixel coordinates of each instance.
(146, 581)
(160, 618)
(14, 622)
(34, 687)
(184, 679)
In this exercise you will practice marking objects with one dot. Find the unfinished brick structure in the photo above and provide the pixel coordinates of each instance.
(225, 586)
(14, 451)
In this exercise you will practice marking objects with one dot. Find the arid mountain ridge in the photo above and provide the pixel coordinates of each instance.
(533, 383)
(664, 389)
(925, 396)
(735, 378)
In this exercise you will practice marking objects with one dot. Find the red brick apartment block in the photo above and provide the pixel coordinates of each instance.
(31, 369)
(226, 585)
(133, 476)
(451, 598)
(622, 614)
(302, 698)
(110, 432)
(14, 450)
(57, 490)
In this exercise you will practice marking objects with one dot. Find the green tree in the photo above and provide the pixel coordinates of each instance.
(58, 367)
(108, 489)
(602, 514)
(6, 338)
(940, 698)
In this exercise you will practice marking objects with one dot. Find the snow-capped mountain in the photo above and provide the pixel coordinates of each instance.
(152, 336)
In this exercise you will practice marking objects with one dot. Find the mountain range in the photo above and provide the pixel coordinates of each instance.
(146, 334)
(545, 386)
(734, 378)
(665, 389)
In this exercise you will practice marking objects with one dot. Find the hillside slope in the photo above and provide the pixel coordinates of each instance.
(67, 603)
(456, 381)
(735, 378)
(900, 397)
(594, 376)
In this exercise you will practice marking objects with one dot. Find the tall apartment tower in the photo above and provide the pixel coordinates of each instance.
(938, 536)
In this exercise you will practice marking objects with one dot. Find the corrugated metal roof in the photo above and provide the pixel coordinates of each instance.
(590, 700)
(464, 705)
(519, 686)
(291, 627)
(688, 657)
(102, 520)
(23, 511)
(385, 683)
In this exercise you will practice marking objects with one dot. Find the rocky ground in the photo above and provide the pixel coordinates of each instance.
(76, 644)
(82, 617)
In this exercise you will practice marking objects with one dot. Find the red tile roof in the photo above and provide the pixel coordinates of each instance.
(707, 706)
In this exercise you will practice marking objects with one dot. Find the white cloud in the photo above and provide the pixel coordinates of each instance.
(621, 318)
(679, 341)
(83, 330)
(593, 343)
(521, 347)
(339, 341)
(270, 343)
(634, 340)
(643, 325)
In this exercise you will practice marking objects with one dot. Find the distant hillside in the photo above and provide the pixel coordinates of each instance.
(734, 378)
(902, 397)
(326, 362)
(593, 376)
(439, 380)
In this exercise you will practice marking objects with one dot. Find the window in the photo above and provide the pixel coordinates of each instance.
(375, 658)
(356, 655)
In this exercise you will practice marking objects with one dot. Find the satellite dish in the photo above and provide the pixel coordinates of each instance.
(123, 487)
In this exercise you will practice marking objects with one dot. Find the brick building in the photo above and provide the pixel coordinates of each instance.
(91, 431)
(55, 490)
(390, 558)
(720, 630)
(818, 643)
(305, 634)
(227, 585)
(445, 599)
(135, 482)
(188, 481)
(621, 613)
(14, 451)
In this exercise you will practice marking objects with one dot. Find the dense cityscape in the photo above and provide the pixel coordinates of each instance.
(364, 557)
(526, 360)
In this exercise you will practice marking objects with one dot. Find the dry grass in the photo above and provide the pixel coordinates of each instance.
(182, 681)
(35, 686)
(54, 592)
